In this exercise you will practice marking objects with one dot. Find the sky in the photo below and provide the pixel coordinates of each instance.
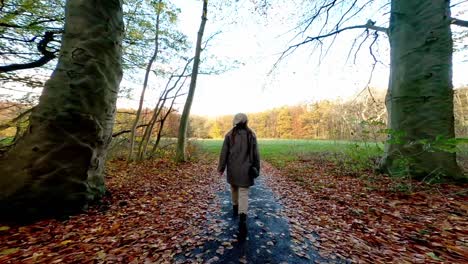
(257, 42)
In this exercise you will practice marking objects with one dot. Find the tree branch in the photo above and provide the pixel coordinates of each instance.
(128, 113)
(45, 21)
(42, 48)
(116, 134)
(9, 25)
(369, 25)
(459, 22)
(35, 23)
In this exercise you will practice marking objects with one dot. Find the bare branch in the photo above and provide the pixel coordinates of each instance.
(9, 25)
(370, 25)
(367, 87)
(35, 23)
(128, 113)
(317, 14)
(163, 119)
(459, 3)
(45, 21)
(366, 33)
(159, 107)
(116, 134)
(19, 40)
(459, 22)
(345, 14)
(371, 51)
(42, 48)
(207, 41)
(359, 10)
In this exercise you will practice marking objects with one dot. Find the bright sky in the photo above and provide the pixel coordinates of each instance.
(257, 42)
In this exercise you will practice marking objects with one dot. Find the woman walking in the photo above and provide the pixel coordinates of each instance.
(239, 156)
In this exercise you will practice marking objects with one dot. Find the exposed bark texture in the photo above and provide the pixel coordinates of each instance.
(57, 167)
(420, 94)
(184, 118)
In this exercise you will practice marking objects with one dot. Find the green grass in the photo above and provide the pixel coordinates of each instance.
(279, 151)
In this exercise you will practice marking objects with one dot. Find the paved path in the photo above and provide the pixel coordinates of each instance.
(269, 239)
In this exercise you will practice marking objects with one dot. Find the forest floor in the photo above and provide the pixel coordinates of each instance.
(305, 212)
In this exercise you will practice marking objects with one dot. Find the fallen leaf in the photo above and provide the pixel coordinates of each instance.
(65, 242)
(9, 251)
(433, 256)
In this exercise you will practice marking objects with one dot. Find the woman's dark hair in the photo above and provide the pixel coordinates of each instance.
(241, 126)
(236, 129)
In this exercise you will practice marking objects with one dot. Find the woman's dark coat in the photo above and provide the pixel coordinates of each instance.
(235, 157)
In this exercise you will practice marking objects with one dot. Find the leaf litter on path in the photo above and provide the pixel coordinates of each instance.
(156, 209)
(365, 220)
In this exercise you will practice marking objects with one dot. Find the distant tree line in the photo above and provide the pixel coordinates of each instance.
(363, 118)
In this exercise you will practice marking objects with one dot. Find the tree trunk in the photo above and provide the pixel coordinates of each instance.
(184, 118)
(58, 166)
(420, 95)
(149, 129)
(145, 84)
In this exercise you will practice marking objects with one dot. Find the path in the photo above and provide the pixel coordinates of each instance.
(269, 239)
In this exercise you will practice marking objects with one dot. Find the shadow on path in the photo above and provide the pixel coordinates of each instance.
(269, 239)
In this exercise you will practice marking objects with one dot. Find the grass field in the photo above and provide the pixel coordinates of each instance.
(353, 156)
(283, 150)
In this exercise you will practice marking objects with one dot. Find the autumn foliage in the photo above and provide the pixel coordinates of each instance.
(157, 210)
(370, 219)
(154, 210)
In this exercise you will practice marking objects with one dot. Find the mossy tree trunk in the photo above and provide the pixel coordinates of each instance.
(420, 95)
(57, 167)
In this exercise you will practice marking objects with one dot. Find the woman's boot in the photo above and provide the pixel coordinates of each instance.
(235, 210)
(242, 226)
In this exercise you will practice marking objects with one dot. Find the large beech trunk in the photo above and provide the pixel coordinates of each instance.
(420, 95)
(57, 167)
